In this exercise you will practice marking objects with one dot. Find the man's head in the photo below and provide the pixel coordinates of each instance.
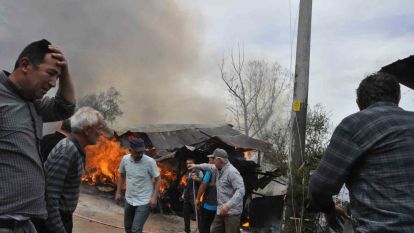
(221, 158)
(37, 71)
(137, 148)
(378, 87)
(86, 124)
(189, 161)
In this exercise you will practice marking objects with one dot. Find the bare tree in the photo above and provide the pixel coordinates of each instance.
(254, 86)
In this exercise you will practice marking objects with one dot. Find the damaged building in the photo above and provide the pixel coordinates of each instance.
(170, 145)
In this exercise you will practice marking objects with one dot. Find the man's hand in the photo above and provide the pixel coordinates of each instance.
(118, 198)
(194, 176)
(62, 62)
(224, 209)
(336, 218)
(341, 212)
(153, 202)
(191, 166)
(198, 204)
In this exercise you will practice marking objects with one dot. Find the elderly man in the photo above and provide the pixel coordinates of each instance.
(230, 193)
(22, 113)
(371, 151)
(142, 186)
(64, 169)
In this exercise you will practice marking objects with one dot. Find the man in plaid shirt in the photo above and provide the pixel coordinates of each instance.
(372, 153)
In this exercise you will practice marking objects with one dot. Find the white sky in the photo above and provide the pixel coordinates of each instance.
(349, 40)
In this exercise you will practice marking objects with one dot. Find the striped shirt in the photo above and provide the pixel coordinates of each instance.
(372, 152)
(64, 169)
(22, 181)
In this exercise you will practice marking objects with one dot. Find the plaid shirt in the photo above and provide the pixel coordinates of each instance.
(372, 152)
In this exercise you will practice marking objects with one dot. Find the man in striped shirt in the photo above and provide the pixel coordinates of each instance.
(64, 169)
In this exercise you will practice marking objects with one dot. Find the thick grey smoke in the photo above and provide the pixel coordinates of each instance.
(147, 49)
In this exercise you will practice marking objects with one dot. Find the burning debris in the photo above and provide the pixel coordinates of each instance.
(103, 161)
(171, 145)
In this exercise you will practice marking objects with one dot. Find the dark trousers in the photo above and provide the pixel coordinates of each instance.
(188, 209)
(135, 217)
(226, 224)
(67, 220)
(206, 219)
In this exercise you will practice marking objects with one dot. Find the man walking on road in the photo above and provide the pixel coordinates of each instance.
(140, 172)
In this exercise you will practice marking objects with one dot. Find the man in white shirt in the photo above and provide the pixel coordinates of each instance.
(142, 186)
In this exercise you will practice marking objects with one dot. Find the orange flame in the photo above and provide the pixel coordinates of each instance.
(167, 177)
(183, 181)
(246, 224)
(102, 161)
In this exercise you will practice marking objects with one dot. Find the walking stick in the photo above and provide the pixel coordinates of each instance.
(195, 207)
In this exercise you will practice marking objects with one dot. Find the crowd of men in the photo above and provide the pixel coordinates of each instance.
(40, 179)
(371, 152)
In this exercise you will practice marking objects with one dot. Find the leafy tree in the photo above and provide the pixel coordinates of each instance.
(107, 102)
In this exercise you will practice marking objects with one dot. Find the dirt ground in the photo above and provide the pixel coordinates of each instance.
(99, 214)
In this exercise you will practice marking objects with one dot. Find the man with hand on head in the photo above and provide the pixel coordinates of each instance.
(23, 109)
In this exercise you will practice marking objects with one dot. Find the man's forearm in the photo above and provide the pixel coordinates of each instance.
(156, 190)
(54, 221)
(120, 183)
(66, 89)
(205, 166)
(201, 190)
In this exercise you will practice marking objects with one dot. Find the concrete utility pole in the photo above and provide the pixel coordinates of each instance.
(300, 93)
(294, 214)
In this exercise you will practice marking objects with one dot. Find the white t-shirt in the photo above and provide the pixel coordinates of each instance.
(139, 174)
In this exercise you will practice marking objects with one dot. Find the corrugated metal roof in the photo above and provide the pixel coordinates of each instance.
(245, 142)
(170, 137)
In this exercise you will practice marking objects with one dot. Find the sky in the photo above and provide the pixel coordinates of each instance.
(163, 55)
(349, 40)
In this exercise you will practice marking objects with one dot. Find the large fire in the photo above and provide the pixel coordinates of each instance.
(102, 161)
(102, 164)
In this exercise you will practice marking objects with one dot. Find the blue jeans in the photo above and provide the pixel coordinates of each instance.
(135, 217)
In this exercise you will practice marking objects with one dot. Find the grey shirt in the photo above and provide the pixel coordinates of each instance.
(230, 187)
(139, 175)
(22, 180)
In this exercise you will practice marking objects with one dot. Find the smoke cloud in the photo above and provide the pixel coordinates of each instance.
(148, 50)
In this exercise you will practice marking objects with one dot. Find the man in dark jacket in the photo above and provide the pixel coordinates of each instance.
(193, 179)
